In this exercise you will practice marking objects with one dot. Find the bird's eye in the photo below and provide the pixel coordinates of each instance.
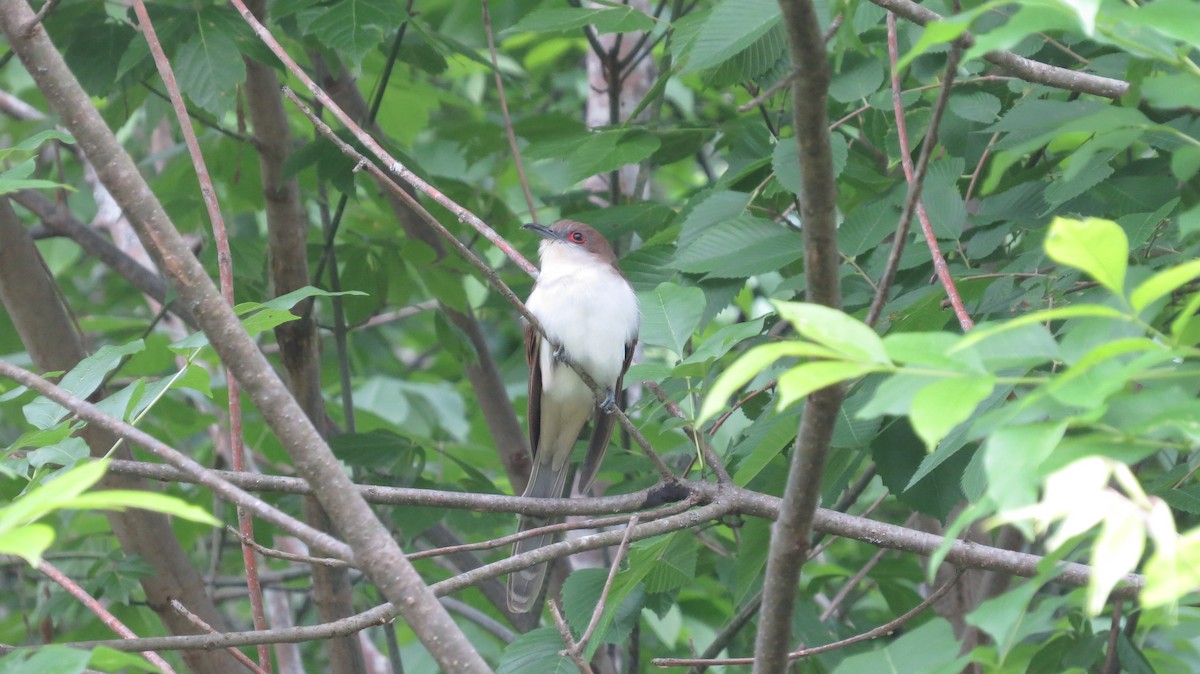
(577, 237)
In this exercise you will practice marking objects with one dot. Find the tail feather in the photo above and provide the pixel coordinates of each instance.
(525, 587)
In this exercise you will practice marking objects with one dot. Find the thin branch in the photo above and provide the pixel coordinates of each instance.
(263, 550)
(102, 613)
(787, 80)
(1026, 69)
(508, 127)
(849, 585)
(709, 455)
(225, 271)
(916, 181)
(199, 622)
(881, 631)
(598, 612)
(564, 630)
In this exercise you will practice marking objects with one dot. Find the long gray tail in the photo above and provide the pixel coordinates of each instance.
(525, 587)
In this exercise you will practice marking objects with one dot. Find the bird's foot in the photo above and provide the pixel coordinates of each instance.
(609, 403)
(560, 354)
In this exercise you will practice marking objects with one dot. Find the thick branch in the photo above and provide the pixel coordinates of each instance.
(818, 208)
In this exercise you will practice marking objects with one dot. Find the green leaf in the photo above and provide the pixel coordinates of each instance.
(554, 18)
(27, 542)
(289, 300)
(35, 141)
(1013, 458)
(670, 315)
(944, 404)
(720, 342)
(81, 381)
(930, 648)
(741, 248)
(837, 331)
(858, 78)
(1095, 246)
(210, 69)
(979, 334)
(977, 106)
(1007, 619)
(731, 27)
(1163, 283)
(354, 27)
(48, 660)
(803, 379)
(748, 366)
(785, 161)
(49, 496)
(536, 651)
(121, 499)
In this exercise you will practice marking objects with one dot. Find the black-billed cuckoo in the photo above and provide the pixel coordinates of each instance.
(590, 314)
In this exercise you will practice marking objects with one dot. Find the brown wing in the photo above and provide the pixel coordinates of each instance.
(533, 343)
(602, 428)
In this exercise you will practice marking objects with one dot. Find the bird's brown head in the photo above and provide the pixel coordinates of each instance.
(575, 234)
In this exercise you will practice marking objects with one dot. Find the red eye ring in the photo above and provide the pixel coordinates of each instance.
(577, 237)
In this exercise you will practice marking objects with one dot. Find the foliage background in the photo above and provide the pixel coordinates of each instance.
(709, 234)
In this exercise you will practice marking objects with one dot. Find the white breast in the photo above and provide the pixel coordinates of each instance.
(588, 308)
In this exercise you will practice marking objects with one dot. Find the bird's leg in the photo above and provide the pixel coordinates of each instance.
(560, 354)
(609, 403)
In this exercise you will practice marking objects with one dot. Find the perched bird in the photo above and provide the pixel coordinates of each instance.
(590, 314)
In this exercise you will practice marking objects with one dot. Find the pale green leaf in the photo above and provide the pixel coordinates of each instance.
(81, 381)
(979, 334)
(748, 366)
(1096, 246)
(944, 404)
(121, 499)
(803, 379)
(27, 542)
(1115, 553)
(836, 330)
(1172, 572)
(1163, 283)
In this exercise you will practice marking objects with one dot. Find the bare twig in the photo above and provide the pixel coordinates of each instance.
(199, 622)
(280, 554)
(597, 612)
(225, 271)
(102, 613)
(916, 181)
(564, 630)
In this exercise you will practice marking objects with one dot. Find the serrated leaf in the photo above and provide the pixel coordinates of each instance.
(354, 27)
(858, 78)
(785, 161)
(977, 106)
(536, 651)
(709, 210)
(731, 27)
(720, 342)
(210, 69)
(942, 405)
(835, 330)
(670, 315)
(554, 18)
(740, 248)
